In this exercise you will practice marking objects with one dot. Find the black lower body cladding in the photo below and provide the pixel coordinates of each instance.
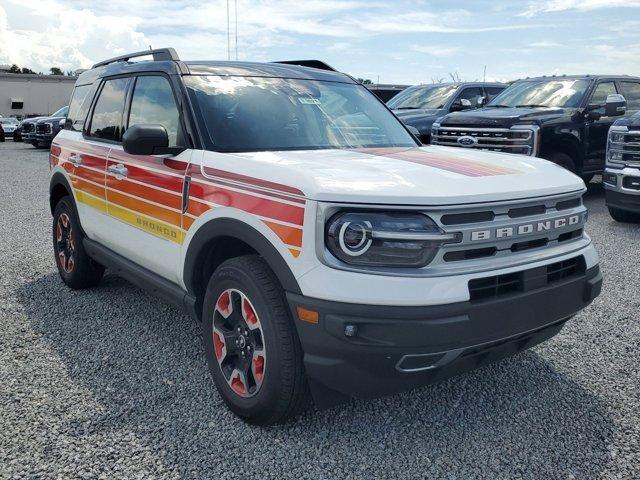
(368, 351)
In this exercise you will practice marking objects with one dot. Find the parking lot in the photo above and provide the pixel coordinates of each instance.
(113, 382)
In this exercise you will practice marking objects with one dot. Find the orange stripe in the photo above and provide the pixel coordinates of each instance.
(196, 208)
(89, 175)
(187, 222)
(88, 187)
(289, 235)
(144, 192)
(145, 208)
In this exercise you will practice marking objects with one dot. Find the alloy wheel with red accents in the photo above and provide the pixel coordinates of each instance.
(238, 343)
(76, 268)
(65, 243)
(251, 345)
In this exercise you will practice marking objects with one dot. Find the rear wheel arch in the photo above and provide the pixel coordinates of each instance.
(222, 239)
(59, 188)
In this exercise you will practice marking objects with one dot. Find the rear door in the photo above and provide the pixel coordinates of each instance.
(597, 130)
(144, 192)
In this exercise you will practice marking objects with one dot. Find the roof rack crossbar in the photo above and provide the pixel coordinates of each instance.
(319, 64)
(159, 55)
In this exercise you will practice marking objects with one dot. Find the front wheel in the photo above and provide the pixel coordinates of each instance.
(251, 345)
(624, 216)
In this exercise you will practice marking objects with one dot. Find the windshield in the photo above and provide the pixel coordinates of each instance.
(542, 93)
(423, 96)
(61, 113)
(255, 113)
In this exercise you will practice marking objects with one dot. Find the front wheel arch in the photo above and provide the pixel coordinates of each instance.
(218, 232)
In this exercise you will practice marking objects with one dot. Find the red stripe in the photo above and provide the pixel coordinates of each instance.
(252, 181)
(144, 175)
(249, 203)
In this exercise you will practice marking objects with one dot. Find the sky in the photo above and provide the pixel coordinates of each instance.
(405, 42)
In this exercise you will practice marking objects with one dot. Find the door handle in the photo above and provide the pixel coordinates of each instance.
(119, 170)
(75, 158)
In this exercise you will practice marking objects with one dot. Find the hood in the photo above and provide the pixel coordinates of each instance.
(431, 175)
(422, 119)
(505, 117)
(31, 120)
(49, 119)
(632, 121)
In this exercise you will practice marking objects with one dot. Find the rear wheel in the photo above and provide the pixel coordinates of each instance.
(624, 216)
(75, 267)
(252, 349)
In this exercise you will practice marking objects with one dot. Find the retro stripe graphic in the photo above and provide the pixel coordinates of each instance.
(150, 197)
(452, 164)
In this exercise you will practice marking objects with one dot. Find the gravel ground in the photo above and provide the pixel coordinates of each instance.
(113, 383)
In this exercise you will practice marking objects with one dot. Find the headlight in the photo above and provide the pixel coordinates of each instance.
(524, 139)
(617, 137)
(389, 239)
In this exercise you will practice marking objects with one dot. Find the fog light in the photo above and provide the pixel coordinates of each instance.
(350, 330)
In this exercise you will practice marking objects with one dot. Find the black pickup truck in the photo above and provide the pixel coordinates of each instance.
(420, 105)
(561, 118)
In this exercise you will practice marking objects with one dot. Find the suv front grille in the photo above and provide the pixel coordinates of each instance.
(41, 128)
(514, 140)
(28, 127)
(499, 285)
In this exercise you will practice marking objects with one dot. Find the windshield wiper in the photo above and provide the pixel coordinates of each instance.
(531, 105)
(497, 106)
(407, 108)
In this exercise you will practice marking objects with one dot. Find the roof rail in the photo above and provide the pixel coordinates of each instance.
(159, 55)
(309, 63)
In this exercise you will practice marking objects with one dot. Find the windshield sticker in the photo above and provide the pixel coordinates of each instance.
(309, 101)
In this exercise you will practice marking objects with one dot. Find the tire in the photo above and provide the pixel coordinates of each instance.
(75, 267)
(272, 387)
(563, 160)
(624, 216)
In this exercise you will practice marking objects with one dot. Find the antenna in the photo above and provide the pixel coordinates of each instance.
(484, 75)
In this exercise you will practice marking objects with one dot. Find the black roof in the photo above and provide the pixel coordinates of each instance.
(166, 61)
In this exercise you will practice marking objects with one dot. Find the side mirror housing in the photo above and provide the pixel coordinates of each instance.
(459, 105)
(147, 140)
(615, 105)
(481, 101)
(414, 131)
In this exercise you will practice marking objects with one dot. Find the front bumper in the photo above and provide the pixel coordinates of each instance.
(622, 188)
(397, 348)
(46, 138)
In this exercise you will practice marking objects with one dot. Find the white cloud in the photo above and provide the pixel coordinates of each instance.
(436, 50)
(536, 6)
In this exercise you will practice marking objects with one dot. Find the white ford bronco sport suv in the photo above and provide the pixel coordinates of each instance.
(324, 251)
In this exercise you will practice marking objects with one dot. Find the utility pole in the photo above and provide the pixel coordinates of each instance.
(228, 35)
(236, 12)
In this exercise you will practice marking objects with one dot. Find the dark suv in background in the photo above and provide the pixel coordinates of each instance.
(48, 127)
(419, 106)
(561, 118)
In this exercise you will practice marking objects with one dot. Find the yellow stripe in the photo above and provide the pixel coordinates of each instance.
(94, 202)
(143, 222)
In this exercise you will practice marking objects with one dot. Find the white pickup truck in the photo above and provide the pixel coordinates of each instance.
(326, 253)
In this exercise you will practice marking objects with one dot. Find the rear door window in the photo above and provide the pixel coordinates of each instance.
(106, 122)
(153, 103)
(631, 92)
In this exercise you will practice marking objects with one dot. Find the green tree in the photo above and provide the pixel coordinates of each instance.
(14, 68)
(27, 70)
(365, 81)
(56, 71)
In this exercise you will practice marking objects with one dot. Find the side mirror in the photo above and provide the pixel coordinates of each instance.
(146, 140)
(615, 105)
(62, 123)
(481, 101)
(459, 105)
(414, 131)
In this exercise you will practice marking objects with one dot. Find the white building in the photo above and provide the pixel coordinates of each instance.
(23, 95)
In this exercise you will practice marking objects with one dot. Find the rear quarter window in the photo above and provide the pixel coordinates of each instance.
(79, 106)
(106, 122)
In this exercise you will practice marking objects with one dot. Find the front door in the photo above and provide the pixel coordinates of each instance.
(144, 192)
(597, 130)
